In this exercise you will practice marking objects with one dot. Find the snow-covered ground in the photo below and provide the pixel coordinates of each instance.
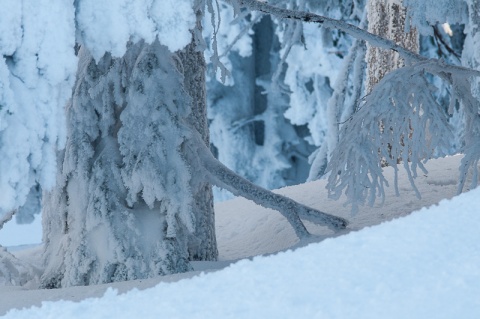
(425, 265)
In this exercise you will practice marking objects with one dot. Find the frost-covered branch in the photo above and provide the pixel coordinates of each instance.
(387, 117)
(244, 31)
(223, 177)
(396, 121)
(356, 32)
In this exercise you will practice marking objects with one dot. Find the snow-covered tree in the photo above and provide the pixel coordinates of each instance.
(249, 131)
(132, 197)
(132, 194)
(36, 67)
(271, 113)
(403, 101)
(123, 184)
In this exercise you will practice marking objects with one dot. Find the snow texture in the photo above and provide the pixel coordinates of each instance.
(423, 265)
(108, 25)
(123, 182)
(363, 185)
(225, 34)
(37, 72)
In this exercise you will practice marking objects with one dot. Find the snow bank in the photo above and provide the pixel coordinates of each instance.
(421, 266)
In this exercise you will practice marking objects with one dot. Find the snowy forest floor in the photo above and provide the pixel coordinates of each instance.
(245, 230)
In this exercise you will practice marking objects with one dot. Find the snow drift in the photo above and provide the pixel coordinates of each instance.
(424, 265)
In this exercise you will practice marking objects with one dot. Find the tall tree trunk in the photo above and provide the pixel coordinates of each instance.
(132, 198)
(202, 243)
(386, 18)
(128, 204)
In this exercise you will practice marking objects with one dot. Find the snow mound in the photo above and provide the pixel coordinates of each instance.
(421, 266)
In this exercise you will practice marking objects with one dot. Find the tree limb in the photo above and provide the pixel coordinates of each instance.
(356, 32)
(223, 177)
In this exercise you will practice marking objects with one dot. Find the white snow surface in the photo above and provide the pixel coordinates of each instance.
(424, 265)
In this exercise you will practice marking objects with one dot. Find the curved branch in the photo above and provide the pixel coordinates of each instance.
(223, 177)
(356, 32)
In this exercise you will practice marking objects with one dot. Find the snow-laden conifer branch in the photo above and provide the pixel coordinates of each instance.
(223, 177)
(357, 33)
(244, 31)
(353, 64)
(383, 127)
